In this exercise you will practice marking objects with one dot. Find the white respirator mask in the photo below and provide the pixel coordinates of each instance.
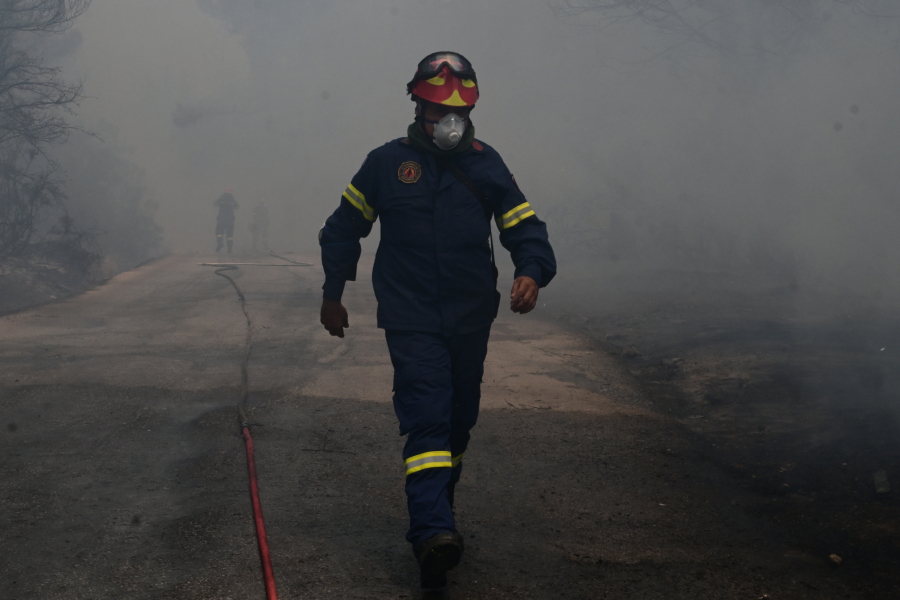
(449, 131)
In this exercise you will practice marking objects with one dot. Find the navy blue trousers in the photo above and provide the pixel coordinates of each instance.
(437, 390)
(225, 228)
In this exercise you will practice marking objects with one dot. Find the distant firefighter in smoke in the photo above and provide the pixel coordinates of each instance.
(260, 225)
(225, 219)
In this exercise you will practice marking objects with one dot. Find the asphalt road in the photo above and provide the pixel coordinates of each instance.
(123, 474)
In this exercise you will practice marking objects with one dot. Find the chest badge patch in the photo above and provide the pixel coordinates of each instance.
(409, 172)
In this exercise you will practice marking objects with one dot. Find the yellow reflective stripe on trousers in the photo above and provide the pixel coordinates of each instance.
(456, 459)
(428, 460)
(522, 211)
(358, 199)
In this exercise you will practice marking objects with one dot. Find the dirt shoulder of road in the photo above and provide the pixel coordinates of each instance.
(25, 286)
(37, 280)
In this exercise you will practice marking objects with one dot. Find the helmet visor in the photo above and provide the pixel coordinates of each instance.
(432, 64)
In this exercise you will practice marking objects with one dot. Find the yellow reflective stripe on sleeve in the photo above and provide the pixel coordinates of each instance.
(511, 218)
(358, 199)
(457, 459)
(428, 460)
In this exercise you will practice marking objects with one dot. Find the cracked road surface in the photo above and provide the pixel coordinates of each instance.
(123, 474)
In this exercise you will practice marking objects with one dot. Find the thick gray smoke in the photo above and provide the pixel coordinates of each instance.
(108, 196)
(763, 153)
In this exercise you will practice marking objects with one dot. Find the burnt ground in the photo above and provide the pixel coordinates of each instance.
(122, 470)
(47, 272)
(793, 394)
(25, 285)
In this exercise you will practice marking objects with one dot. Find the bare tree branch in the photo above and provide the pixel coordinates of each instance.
(34, 103)
(41, 16)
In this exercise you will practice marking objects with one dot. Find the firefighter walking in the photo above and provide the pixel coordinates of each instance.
(225, 219)
(436, 192)
(259, 228)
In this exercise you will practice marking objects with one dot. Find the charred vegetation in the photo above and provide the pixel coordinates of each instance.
(52, 242)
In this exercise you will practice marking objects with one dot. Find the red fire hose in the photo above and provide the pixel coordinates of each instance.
(268, 574)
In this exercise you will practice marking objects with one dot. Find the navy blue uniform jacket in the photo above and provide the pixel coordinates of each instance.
(227, 204)
(433, 269)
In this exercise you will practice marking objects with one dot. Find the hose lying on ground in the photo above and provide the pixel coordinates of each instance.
(268, 573)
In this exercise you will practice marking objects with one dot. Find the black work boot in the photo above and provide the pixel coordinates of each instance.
(437, 555)
(219, 247)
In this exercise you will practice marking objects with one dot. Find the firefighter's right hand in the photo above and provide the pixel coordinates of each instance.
(334, 317)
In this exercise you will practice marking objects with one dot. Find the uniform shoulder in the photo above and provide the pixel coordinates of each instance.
(389, 150)
(392, 146)
(386, 154)
(482, 147)
(486, 154)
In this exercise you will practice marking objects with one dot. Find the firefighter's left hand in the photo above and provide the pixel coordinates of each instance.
(524, 295)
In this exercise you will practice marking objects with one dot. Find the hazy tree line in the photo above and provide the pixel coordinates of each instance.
(744, 55)
(749, 29)
(41, 219)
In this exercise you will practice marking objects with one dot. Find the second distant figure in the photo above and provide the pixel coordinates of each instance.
(260, 225)
(225, 219)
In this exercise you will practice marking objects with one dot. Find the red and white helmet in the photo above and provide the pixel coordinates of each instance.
(445, 78)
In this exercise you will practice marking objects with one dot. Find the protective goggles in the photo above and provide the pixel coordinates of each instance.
(432, 65)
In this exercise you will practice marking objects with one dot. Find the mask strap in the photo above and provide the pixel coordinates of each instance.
(463, 119)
